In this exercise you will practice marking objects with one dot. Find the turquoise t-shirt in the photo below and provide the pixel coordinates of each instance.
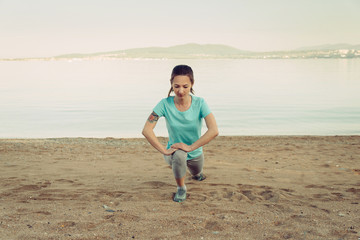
(185, 126)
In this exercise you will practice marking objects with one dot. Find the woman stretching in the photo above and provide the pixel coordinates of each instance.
(183, 114)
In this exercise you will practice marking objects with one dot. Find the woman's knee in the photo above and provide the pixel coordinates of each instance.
(179, 156)
(179, 163)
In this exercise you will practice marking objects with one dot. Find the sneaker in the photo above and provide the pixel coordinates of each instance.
(180, 195)
(200, 177)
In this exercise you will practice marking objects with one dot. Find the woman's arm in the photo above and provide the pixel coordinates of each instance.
(210, 134)
(149, 134)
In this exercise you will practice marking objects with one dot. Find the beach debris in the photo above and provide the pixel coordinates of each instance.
(108, 209)
(67, 224)
(341, 215)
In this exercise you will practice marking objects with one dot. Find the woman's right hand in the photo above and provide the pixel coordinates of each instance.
(169, 151)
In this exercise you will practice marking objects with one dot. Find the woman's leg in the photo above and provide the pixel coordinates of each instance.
(178, 163)
(179, 166)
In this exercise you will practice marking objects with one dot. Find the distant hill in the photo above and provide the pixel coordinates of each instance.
(329, 47)
(191, 50)
(214, 51)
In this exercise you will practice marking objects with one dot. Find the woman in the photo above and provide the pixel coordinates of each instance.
(183, 114)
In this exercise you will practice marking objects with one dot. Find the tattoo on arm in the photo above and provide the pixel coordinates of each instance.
(153, 117)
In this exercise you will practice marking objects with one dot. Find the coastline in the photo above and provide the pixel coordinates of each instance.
(257, 187)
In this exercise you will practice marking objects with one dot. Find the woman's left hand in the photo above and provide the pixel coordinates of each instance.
(181, 146)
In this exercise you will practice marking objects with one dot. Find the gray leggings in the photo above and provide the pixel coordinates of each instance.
(178, 163)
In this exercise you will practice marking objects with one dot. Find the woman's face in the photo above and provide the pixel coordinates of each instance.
(181, 86)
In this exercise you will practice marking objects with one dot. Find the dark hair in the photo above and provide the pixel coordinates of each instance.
(182, 70)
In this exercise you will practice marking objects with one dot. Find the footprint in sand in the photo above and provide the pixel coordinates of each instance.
(157, 184)
(248, 194)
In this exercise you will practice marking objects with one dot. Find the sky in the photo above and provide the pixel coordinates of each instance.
(45, 28)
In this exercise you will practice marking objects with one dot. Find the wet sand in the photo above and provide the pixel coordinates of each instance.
(286, 187)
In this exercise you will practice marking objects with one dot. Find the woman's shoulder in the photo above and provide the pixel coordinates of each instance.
(168, 99)
(163, 104)
(166, 102)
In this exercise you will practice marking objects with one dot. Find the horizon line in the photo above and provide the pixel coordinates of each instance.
(304, 48)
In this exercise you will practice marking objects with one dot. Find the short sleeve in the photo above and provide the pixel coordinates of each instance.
(159, 109)
(204, 109)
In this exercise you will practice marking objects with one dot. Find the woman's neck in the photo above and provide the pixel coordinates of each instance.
(183, 101)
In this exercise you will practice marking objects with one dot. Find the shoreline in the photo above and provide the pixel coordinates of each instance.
(257, 187)
(220, 136)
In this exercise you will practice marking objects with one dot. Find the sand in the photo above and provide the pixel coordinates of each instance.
(286, 187)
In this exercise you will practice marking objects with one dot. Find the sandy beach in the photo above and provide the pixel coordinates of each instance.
(286, 187)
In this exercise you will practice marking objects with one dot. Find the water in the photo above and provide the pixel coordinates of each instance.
(113, 98)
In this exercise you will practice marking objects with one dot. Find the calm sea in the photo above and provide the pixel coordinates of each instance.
(113, 98)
